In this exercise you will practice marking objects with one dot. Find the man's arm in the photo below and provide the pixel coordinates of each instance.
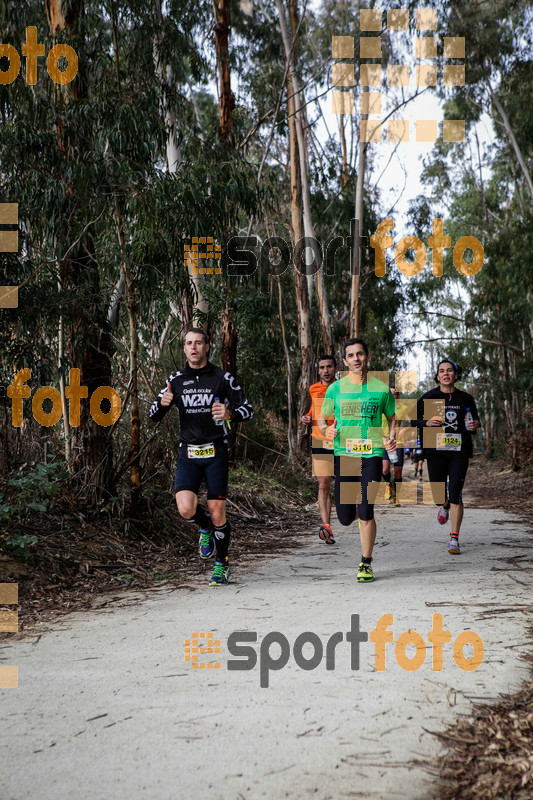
(308, 418)
(390, 440)
(162, 403)
(242, 409)
(325, 414)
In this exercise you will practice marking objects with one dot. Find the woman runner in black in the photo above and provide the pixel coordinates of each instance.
(448, 451)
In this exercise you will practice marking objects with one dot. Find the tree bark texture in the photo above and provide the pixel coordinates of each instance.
(89, 341)
(300, 283)
(291, 51)
(135, 419)
(226, 98)
(355, 307)
(229, 362)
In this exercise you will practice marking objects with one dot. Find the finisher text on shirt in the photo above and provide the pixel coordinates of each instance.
(357, 409)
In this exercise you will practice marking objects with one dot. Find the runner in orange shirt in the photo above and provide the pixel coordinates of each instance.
(319, 444)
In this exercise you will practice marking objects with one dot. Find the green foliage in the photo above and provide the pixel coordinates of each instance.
(29, 494)
(33, 490)
(485, 322)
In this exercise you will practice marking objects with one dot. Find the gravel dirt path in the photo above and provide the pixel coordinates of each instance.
(108, 707)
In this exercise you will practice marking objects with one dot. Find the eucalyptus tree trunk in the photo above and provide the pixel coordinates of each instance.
(345, 167)
(61, 368)
(296, 96)
(512, 139)
(135, 417)
(290, 437)
(173, 154)
(164, 73)
(228, 358)
(300, 284)
(228, 355)
(226, 98)
(226, 104)
(89, 341)
(355, 306)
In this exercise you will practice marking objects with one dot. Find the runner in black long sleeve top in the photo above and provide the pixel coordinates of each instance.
(202, 393)
(194, 391)
(449, 450)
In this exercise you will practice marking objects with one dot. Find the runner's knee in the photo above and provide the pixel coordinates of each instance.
(346, 513)
(217, 510)
(187, 508)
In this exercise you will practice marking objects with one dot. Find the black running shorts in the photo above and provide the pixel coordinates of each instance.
(191, 472)
(370, 472)
(400, 452)
(441, 466)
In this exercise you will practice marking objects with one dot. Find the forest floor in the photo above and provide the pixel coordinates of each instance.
(489, 753)
(487, 746)
(77, 555)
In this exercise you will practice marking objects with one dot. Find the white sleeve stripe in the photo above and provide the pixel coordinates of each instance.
(245, 410)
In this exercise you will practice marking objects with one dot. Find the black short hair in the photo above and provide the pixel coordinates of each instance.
(456, 367)
(195, 330)
(327, 358)
(349, 342)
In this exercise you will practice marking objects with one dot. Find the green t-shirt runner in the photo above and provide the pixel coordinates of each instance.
(357, 409)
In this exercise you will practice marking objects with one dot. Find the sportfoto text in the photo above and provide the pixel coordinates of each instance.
(74, 392)
(246, 656)
(32, 50)
(275, 254)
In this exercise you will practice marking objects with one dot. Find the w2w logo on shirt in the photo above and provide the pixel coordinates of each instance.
(197, 400)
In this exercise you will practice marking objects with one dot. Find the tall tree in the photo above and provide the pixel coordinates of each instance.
(89, 340)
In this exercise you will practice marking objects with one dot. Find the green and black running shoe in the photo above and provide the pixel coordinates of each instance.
(220, 574)
(364, 573)
(206, 543)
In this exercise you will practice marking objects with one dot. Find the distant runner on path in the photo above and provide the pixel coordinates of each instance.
(320, 445)
(357, 402)
(202, 393)
(418, 460)
(393, 476)
(448, 457)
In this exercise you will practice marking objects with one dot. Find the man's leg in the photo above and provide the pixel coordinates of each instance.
(387, 477)
(190, 510)
(323, 470)
(216, 478)
(398, 469)
(367, 535)
(370, 473)
(397, 480)
(324, 499)
(221, 527)
(187, 503)
(324, 504)
(349, 486)
(186, 484)
(217, 511)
